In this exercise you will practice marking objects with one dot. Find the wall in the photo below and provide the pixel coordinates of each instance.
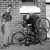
(17, 17)
(47, 10)
(48, 16)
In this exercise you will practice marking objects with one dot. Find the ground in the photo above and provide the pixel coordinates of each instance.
(46, 46)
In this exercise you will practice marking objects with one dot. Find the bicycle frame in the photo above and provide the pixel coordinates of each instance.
(26, 33)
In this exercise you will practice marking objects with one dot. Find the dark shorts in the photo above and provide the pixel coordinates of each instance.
(2, 29)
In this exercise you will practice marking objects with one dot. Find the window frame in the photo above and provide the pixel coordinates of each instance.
(34, 2)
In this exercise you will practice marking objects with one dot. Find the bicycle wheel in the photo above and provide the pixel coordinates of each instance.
(16, 37)
(42, 34)
(43, 23)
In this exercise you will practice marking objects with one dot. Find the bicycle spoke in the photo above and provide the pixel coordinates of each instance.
(43, 23)
(15, 38)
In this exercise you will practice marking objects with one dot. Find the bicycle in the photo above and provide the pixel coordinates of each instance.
(25, 36)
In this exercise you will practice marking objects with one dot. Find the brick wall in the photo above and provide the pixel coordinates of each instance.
(17, 17)
(14, 12)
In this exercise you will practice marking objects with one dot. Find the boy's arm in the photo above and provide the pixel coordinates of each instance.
(24, 24)
(2, 18)
(28, 24)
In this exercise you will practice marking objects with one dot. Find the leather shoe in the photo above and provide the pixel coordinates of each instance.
(6, 45)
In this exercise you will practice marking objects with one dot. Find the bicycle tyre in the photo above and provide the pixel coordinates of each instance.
(42, 34)
(38, 24)
(16, 36)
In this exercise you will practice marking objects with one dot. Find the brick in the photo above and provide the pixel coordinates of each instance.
(0, 7)
(4, 4)
(44, 2)
(14, 8)
(43, 10)
(16, 2)
(12, 2)
(4, 0)
(5, 8)
(44, 6)
(9, 0)
(38, 2)
(1, 10)
(0, 4)
(19, 4)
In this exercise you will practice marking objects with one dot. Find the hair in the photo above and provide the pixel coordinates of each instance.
(9, 5)
(24, 17)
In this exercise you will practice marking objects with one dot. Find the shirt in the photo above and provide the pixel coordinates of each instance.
(32, 19)
(7, 17)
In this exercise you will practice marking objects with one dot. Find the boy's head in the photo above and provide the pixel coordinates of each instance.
(27, 16)
(9, 7)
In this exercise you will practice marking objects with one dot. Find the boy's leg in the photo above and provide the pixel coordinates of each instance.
(6, 33)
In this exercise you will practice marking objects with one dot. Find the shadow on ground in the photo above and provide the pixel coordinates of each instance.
(46, 46)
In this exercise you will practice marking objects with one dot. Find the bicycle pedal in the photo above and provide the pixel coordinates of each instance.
(19, 40)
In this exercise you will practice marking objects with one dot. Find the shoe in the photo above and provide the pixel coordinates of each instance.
(2, 47)
(5, 45)
(42, 43)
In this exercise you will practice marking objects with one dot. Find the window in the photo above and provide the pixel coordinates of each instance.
(29, 9)
(27, 0)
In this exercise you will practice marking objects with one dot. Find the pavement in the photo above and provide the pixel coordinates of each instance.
(45, 46)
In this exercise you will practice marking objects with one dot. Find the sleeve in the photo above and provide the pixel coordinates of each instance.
(24, 22)
(10, 17)
(3, 16)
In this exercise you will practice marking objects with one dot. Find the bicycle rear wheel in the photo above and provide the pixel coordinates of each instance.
(16, 37)
(43, 23)
(42, 34)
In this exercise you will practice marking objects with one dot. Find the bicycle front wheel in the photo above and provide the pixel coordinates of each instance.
(16, 37)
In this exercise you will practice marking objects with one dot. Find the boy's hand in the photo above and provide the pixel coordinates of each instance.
(24, 28)
(28, 24)
(3, 20)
